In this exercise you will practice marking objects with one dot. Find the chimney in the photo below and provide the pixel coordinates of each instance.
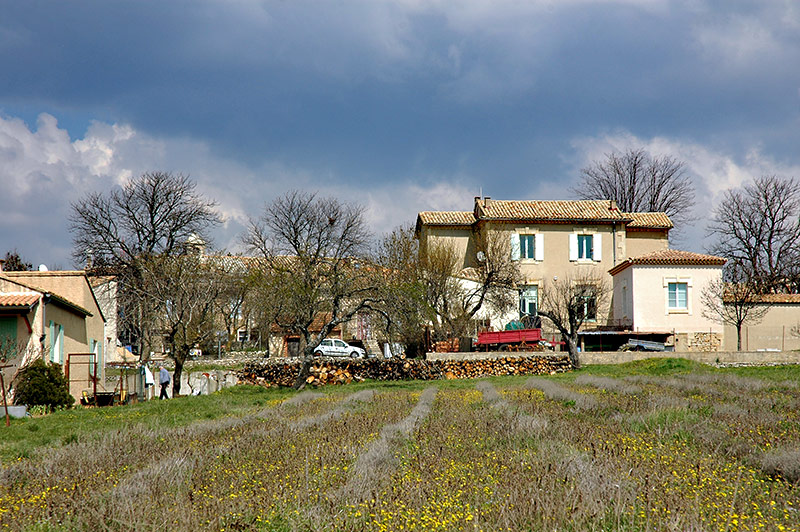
(612, 205)
(487, 202)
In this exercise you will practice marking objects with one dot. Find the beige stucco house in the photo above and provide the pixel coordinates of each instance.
(65, 317)
(659, 293)
(553, 241)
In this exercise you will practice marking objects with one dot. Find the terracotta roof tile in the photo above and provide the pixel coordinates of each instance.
(18, 300)
(459, 218)
(550, 210)
(779, 298)
(649, 220)
(669, 257)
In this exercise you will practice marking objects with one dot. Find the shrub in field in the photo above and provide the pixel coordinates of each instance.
(782, 462)
(42, 384)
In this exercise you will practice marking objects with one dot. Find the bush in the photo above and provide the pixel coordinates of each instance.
(42, 384)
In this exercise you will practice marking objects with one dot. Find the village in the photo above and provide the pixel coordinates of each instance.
(588, 279)
(400, 266)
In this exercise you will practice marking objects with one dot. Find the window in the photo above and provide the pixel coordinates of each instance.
(56, 342)
(585, 247)
(527, 246)
(677, 293)
(529, 300)
(243, 335)
(587, 302)
(8, 336)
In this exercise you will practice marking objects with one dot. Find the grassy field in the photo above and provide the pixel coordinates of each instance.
(653, 445)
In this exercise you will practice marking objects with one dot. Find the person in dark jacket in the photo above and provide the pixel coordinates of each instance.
(163, 378)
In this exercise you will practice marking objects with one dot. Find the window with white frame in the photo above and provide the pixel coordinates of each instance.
(585, 247)
(529, 300)
(677, 296)
(587, 309)
(527, 246)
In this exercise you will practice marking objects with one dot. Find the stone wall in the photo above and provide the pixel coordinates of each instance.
(704, 342)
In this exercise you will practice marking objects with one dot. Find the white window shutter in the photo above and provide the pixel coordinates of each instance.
(573, 247)
(597, 244)
(539, 246)
(514, 246)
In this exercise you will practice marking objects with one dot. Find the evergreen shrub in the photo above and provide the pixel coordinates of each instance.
(42, 384)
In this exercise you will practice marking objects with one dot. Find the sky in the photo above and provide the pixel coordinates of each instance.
(397, 105)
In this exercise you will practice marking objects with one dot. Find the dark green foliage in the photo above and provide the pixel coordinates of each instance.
(43, 384)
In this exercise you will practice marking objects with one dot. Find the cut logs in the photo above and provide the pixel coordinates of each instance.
(283, 371)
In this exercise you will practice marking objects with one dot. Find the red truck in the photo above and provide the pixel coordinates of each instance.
(514, 340)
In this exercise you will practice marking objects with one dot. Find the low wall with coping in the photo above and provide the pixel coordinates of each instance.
(744, 358)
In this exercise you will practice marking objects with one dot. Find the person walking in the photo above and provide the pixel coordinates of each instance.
(163, 378)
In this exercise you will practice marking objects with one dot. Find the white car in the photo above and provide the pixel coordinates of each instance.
(338, 348)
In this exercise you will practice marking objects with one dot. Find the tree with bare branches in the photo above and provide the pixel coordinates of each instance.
(402, 303)
(733, 300)
(316, 251)
(184, 291)
(640, 182)
(455, 295)
(570, 301)
(152, 215)
(757, 227)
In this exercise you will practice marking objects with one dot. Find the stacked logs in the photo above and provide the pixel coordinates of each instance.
(283, 371)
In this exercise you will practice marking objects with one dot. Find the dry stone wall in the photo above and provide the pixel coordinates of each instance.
(283, 372)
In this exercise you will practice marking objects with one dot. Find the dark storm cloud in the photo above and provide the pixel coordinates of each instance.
(380, 95)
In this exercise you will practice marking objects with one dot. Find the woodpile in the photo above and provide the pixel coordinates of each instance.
(283, 371)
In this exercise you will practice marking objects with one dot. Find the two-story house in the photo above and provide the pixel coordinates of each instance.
(548, 238)
(552, 240)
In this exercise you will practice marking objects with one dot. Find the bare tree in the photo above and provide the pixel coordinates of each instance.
(571, 301)
(454, 296)
(151, 215)
(733, 300)
(184, 290)
(402, 301)
(316, 251)
(640, 182)
(758, 228)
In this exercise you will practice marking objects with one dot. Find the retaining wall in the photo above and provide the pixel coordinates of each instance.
(745, 358)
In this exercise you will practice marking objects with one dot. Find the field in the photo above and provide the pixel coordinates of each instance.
(655, 445)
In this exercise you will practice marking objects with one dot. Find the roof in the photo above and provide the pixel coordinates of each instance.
(49, 296)
(457, 218)
(558, 211)
(550, 210)
(669, 257)
(648, 220)
(778, 298)
(100, 280)
(20, 300)
(47, 282)
(47, 273)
